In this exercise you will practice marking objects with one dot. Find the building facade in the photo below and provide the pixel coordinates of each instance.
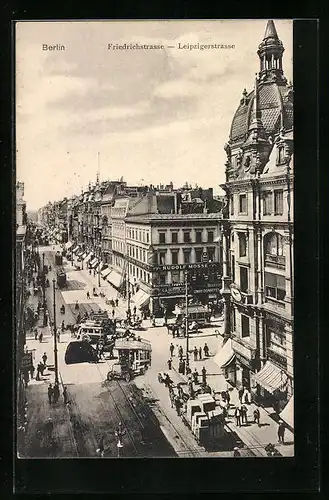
(258, 232)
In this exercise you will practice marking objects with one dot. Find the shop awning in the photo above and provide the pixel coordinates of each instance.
(79, 252)
(87, 259)
(100, 267)
(287, 414)
(68, 245)
(114, 278)
(270, 377)
(105, 272)
(75, 249)
(93, 262)
(140, 298)
(225, 355)
(84, 255)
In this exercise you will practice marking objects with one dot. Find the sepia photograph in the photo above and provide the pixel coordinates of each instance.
(154, 253)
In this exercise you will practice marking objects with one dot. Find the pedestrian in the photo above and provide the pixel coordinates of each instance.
(204, 376)
(244, 414)
(90, 272)
(88, 295)
(177, 405)
(180, 351)
(236, 452)
(171, 348)
(56, 392)
(195, 376)
(256, 416)
(200, 353)
(169, 363)
(26, 377)
(134, 310)
(49, 427)
(191, 389)
(50, 393)
(195, 352)
(100, 450)
(44, 358)
(63, 326)
(65, 395)
(113, 313)
(32, 371)
(241, 391)
(117, 302)
(281, 431)
(206, 350)
(35, 334)
(58, 335)
(76, 307)
(228, 398)
(40, 337)
(237, 415)
(188, 370)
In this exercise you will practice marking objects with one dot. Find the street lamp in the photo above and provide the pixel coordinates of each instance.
(55, 333)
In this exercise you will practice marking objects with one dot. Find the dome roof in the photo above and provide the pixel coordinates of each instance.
(273, 100)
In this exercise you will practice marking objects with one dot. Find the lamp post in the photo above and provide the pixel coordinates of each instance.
(55, 333)
(186, 320)
(44, 290)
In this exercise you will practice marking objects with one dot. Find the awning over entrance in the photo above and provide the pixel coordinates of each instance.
(270, 377)
(68, 245)
(87, 259)
(75, 249)
(140, 298)
(93, 262)
(114, 278)
(225, 355)
(287, 414)
(99, 268)
(84, 255)
(105, 272)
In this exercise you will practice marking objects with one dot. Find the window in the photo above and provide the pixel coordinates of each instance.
(244, 279)
(198, 237)
(162, 238)
(162, 258)
(232, 204)
(174, 237)
(187, 254)
(268, 203)
(242, 244)
(175, 277)
(233, 268)
(198, 254)
(243, 203)
(186, 237)
(137, 253)
(174, 256)
(245, 332)
(278, 202)
(274, 244)
(211, 254)
(144, 275)
(275, 286)
(210, 236)
(162, 278)
(147, 237)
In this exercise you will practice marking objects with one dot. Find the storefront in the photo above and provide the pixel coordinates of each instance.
(225, 360)
(271, 386)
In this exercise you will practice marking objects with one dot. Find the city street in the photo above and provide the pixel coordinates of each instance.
(96, 407)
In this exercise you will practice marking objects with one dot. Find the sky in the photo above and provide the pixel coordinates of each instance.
(151, 116)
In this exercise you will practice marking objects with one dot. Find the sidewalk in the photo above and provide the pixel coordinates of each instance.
(37, 445)
(255, 437)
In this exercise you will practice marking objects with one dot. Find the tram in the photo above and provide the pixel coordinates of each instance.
(134, 353)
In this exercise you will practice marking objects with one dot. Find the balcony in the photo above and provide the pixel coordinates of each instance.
(275, 261)
(241, 347)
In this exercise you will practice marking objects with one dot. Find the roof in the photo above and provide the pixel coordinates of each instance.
(272, 99)
(176, 217)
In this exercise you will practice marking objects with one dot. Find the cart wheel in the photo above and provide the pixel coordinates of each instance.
(128, 377)
(109, 376)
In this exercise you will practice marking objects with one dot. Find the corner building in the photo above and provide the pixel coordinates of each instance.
(258, 233)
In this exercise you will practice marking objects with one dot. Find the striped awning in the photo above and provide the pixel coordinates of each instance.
(140, 298)
(75, 249)
(271, 378)
(93, 263)
(105, 272)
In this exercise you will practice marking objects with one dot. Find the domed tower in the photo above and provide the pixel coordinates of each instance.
(261, 112)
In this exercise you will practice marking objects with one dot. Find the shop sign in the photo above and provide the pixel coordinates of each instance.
(247, 352)
(180, 267)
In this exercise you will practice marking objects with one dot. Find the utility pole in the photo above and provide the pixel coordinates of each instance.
(55, 334)
(186, 320)
(44, 290)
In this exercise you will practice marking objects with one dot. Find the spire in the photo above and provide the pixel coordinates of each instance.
(270, 53)
(270, 31)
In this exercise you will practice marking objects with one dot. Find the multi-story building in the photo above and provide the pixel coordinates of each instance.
(161, 247)
(258, 233)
